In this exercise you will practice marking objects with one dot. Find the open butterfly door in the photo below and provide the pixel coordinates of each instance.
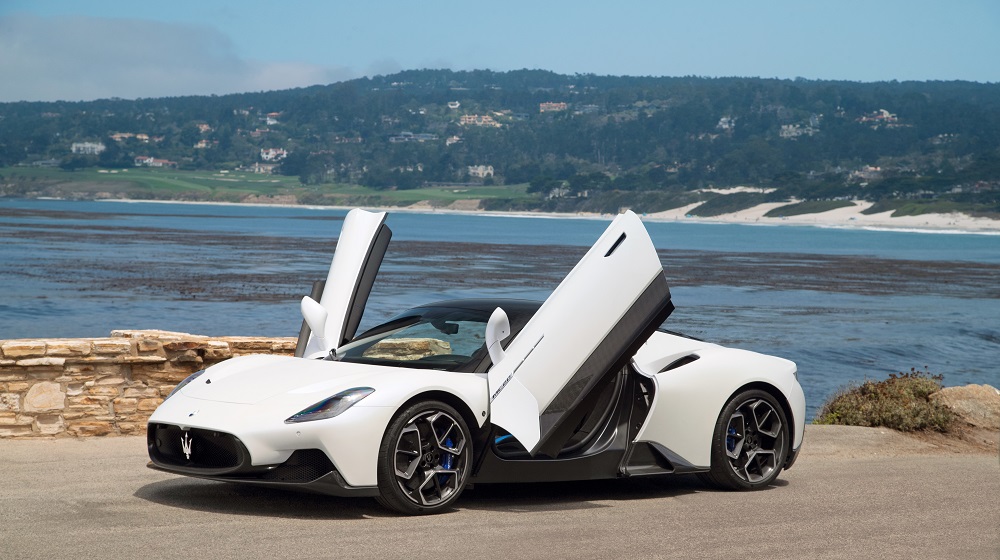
(586, 331)
(363, 240)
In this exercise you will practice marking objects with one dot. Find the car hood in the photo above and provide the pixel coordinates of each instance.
(252, 379)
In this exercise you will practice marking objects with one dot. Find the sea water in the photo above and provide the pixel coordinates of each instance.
(844, 304)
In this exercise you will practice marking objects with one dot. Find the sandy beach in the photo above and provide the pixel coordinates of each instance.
(846, 217)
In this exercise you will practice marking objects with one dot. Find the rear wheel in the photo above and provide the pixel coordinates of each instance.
(750, 442)
(425, 459)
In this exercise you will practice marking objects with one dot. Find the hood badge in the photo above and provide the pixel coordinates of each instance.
(186, 442)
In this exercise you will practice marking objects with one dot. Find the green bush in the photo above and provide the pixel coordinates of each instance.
(900, 402)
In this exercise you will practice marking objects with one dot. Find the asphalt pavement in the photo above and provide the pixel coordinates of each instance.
(854, 493)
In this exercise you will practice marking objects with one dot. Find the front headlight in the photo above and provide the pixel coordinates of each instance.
(187, 380)
(328, 408)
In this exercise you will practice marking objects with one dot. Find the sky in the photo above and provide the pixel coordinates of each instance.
(89, 49)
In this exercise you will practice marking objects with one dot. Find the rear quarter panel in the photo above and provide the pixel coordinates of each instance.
(689, 399)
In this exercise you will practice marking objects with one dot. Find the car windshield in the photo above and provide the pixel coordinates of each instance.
(428, 338)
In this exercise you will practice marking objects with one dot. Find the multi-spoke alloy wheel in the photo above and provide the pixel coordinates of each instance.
(425, 458)
(751, 442)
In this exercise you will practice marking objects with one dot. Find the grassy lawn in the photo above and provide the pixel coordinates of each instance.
(231, 186)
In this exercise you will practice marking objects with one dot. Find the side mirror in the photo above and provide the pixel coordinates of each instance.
(316, 316)
(497, 329)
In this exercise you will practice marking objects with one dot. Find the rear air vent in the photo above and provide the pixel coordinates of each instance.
(680, 362)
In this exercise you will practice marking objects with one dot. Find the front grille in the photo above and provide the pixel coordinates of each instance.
(193, 448)
(305, 465)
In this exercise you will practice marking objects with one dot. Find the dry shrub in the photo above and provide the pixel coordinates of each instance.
(900, 402)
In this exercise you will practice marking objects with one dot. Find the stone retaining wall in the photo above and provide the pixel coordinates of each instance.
(105, 386)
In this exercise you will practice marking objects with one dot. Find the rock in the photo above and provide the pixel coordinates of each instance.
(67, 347)
(182, 345)
(34, 362)
(50, 424)
(9, 402)
(112, 346)
(153, 333)
(407, 348)
(44, 396)
(141, 391)
(23, 348)
(91, 428)
(104, 390)
(148, 405)
(126, 405)
(979, 405)
(149, 345)
(10, 431)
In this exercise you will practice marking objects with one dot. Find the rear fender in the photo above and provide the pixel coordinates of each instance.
(689, 399)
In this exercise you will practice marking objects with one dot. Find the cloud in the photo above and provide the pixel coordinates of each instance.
(81, 58)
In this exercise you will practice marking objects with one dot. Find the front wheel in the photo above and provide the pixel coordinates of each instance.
(425, 459)
(750, 442)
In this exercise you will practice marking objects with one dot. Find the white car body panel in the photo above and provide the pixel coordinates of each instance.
(573, 322)
(689, 399)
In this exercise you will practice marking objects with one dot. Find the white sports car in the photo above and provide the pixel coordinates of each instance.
(586, 385)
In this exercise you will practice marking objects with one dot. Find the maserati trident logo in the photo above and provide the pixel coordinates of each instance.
(186, 445)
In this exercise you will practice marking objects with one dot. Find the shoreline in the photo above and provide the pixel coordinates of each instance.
(848, 217)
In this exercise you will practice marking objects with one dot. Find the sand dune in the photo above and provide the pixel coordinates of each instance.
(848, 216)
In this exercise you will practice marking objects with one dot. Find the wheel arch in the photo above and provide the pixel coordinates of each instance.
(782, 399)
(451, 400)
(774, 392)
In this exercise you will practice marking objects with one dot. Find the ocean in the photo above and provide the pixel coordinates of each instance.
(845, 304)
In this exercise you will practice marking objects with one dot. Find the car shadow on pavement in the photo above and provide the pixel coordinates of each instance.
(576, 495)
(245, 499)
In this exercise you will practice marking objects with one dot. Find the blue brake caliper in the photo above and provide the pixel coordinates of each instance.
(730, 439)
(447, 460)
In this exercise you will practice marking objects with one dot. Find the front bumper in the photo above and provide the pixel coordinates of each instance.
(220, 456)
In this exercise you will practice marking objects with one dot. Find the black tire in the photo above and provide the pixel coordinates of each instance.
(749, 444)
(425, 459)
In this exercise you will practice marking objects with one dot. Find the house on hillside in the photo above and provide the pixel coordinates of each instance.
(411, 137)
(478, 120)
(480, 171)
(87, 148)
(264, 168)
(273, 154)
(150, 161)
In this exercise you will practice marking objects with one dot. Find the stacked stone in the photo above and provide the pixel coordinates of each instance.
(105, 386)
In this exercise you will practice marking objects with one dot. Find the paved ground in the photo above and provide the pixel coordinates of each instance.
(855, 493)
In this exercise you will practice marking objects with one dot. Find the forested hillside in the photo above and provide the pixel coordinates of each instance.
(581, 142)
